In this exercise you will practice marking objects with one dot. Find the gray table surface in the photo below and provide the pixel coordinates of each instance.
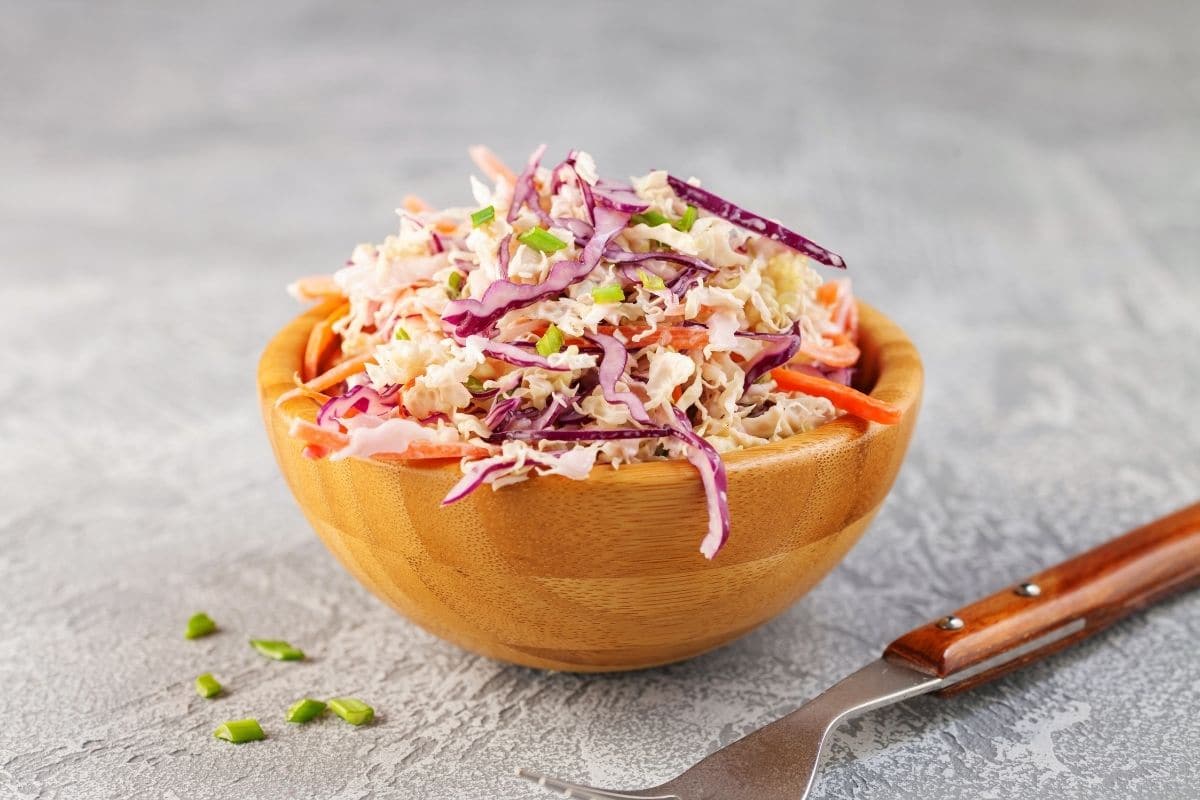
(1018, 185)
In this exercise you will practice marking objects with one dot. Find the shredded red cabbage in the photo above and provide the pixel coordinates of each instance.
(707, 461)
(519, 356)
(500, 411)
(593, 435)
(473, 480)
(619, 197)
(362, 398)
(555, 406)
(780, 348)
(470, 316)
(568, 164)
(753, 222)
(612, 369)
(525, 193)
(504, 255)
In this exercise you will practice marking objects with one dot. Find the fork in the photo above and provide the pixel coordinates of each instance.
(1016, 625)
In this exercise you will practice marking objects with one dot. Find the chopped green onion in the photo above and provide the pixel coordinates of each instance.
(482, 216)
(542, 239)
(353, 710)
(688, 219)
(612, 293)
(280, 651)
(240, 730)
(454, 285)
(651, 281)
(551, 341)
(200, 624)
(402, 335)
(474, 385)
(304, 710)
(651, 218)
(207, 685)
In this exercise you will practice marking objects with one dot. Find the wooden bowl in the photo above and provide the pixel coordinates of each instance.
(602, 574)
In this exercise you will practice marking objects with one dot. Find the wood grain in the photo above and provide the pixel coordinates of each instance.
(603, 574)
(1100, 587)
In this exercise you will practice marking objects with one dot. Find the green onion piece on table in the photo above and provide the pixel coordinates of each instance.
(239, 731)
(651, 218)
(482, 216)
(207, 686)
(688, 219)
(280, 651)
(200, 624)
(612, 293)
(305, 710)
(542, 239)
(551, 341)
(353, 710)
(651, 281)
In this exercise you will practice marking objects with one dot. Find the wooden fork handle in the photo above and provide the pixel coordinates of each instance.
(1077, 598)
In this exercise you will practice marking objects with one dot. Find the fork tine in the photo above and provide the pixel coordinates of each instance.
(574, 790)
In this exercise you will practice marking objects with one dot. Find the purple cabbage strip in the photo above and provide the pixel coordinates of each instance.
(683, 280)
(594, 435)
(589, 203)
(619, 256)
(363, 398)
(519, 356)
(707, 461)
(618, 197)
(753, 222)
(582, 231)
(504, 254)
(612, 368)
(500, 411)
(472, 481)
(779, 349)
(470, 316)
(554, 409)
(525, 193)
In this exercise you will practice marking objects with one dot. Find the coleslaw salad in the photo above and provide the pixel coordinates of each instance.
(564, 320)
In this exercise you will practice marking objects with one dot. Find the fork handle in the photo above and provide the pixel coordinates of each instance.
(1077, 598)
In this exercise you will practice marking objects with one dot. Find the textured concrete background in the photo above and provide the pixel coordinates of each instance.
(1018, 186)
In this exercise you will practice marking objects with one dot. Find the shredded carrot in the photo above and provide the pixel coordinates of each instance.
(316, 436)
(418, 451)
(335, 375)
(491, 164)
(415, 204)
(445, 225)
(840, 354)
(319, 339)
(315, 287)
(319, 441)
(827, 294)
(845, 398)
(301, 390)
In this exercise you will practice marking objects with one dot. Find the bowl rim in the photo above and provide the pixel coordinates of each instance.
(899, 379)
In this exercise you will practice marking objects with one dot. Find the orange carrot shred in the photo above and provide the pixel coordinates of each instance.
(415, 204)
(845, 398)
(338, 373)
(491, 164)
